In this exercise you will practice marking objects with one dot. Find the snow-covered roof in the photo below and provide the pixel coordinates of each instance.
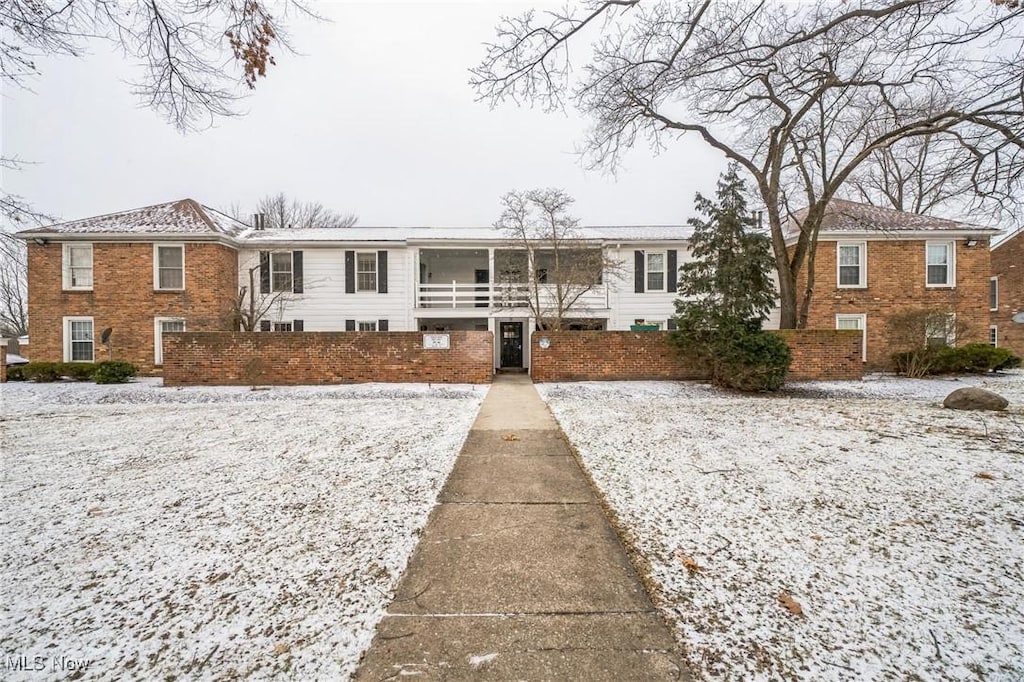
(184, 217)
(188, 217)
(625, 233)
(850, 216)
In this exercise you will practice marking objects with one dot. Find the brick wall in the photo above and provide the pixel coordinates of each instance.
(124, 299)
(303, 358)
(617, 356)
(1008, 266)
(896, 283)
(3, 362)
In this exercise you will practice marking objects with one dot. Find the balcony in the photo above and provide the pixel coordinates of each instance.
(468, 295)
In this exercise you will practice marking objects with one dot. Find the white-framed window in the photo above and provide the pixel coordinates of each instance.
(283, 326)
(856, 321)
(79, 345)
(851, 265)
(940, 330)
(939, 264)
(993, 335)
(161, 325)
(367, 326)
(655, 270)
(993, 293)
(78, 266)
(168, 267)
(366, 271)
(281, 271)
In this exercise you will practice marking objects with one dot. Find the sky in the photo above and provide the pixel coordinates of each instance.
(374, 116)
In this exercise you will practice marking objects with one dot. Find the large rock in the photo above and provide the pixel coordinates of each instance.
(975, 399)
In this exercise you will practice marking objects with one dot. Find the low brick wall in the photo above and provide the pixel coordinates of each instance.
(303, 358)
(622, 356)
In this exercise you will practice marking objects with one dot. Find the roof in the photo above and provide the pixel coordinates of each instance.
(188, 217)
(631, 233)
(184, 217)
(851, 216)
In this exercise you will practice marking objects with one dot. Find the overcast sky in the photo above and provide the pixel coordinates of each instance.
(374, 117)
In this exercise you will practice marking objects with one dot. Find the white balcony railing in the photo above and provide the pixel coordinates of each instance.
(468, 295)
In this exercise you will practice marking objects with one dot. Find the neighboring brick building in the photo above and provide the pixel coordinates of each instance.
(1006, 296)
(89, 275)
(872, 262)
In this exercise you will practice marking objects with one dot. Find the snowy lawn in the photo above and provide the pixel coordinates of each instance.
(209, 533)
(839, 531)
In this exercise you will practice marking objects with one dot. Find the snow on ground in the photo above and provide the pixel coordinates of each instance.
(213, 533)
(895, 525)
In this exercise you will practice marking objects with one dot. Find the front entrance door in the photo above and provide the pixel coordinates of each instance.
(511, 344)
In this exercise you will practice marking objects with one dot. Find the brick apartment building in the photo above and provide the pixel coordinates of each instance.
(180, 266)
(872, 262)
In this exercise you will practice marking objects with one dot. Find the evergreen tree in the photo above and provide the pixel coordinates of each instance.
(729, 280)
(726, 291)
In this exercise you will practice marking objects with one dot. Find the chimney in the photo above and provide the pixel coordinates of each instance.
(259, 221)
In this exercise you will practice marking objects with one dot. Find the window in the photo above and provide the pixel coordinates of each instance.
(78, 266)
(850, 265)
(856, 321)
(170, 267)
(366, 326)
(281, 271)
(366, 272)
(282, 326)
(162, 325)
(939, 264)
(993, 293)
(78, 339)
(940, 330)
(993, 335)
(656, 271)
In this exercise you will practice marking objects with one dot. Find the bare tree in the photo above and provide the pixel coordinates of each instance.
(13, 288)
(282, 213)
(559, 265)
(195, 55)
(931, 176)
(250, 306)
(800, 95)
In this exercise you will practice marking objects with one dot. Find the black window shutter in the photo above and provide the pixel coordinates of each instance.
(264, 325)
(264, 272)
(671, 271)
(638, 272)
(671, 325)
(297, 326)
(382, 272)
(350, 325)
(296, 272)
(350, 272)
(382, 325)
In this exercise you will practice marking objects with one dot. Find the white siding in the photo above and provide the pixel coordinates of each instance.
(628, 306)
(324, 305)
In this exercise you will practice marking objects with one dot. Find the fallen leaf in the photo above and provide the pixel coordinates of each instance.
(281, 648)
(792, 605)
(689, 563)
(985, 475)
(816, 537)
(510, 436)
(95, 511)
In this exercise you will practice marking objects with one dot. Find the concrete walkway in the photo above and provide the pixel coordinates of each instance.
(518, 575)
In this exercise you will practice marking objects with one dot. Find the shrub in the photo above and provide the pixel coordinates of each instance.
(43, 372)
(114, 372)
(749, 360)
(79, 371)
(974, 358)
(16, 373)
